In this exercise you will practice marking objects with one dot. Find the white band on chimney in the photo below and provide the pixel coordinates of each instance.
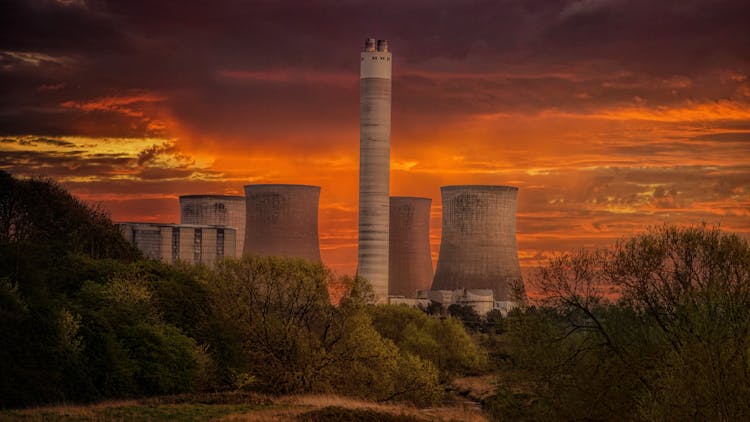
(376, 64)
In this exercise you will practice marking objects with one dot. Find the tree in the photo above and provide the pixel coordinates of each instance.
(442, 341)
(292, 339)
(467, 314)
(41, 212)
(657, 327)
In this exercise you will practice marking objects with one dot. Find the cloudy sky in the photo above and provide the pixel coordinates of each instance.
(609, 115)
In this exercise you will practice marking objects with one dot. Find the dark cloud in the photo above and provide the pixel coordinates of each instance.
(151, 153)
(33, 141)
(600, 52)
(625, 113)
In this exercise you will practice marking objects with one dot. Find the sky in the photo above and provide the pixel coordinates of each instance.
(609, 115)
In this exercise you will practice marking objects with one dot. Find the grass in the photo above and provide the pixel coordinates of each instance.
(129, 412)
(243, 407)
(336, 414)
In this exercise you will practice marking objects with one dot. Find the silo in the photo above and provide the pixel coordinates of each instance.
(282, 220)
(478, 245)
(215, 210)
(374, 164)
(409, 262)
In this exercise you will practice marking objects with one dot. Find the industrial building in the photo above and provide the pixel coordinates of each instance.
(481, 300)
(215, 210)
(282, 220)
(190, 243)
(374, 165)
(478, 244)
(409, 262)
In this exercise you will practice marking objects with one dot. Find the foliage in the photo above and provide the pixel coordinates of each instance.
(467, 315)
(77, 320)
(41, 212)
(293, 340)
(665, 314)
(441, 341)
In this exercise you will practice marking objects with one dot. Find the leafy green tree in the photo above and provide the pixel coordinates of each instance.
(442, 341)
(467, 314)
(654, 328)
(494, 322)
(292, 339)
(79, 319)
(41, 212)
(132, 350)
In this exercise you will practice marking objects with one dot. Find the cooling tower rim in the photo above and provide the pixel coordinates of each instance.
(479, 188)
(232, 197)
(280, 185)
(410, 198)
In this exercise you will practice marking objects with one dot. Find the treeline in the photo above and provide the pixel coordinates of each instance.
(84, 317)
(654, 328)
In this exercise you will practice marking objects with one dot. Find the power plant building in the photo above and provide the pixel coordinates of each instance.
(215, 210)
(190, 243)
(282, 220)
(478, 245)
(374, 165)
(410, 262)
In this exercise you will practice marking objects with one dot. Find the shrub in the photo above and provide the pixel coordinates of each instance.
(442, 341)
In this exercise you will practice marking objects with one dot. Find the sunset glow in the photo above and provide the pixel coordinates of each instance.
(610, 116)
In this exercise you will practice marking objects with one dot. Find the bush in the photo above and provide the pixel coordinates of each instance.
(442, 341)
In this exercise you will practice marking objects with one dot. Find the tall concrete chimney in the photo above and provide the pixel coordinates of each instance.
(410, 262)
(282, 220)
(374, 165)
(478, 245)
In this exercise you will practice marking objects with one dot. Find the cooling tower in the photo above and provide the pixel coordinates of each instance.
(282, 220)
(374, 165)
(410, 262)
(478, 245)
(215, 210)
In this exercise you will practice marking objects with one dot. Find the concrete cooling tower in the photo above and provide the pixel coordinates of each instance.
(215, 210)
(478, 245)
(374, 165)
(282, 220)
(410, 262)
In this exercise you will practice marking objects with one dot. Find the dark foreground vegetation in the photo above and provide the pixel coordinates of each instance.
(84, 317)
(654, 328)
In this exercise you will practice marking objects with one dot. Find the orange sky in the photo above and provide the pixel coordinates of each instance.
(608, 115)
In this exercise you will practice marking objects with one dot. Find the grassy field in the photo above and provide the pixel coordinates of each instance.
(243, 407)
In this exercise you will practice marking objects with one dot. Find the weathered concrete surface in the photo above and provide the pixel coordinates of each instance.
(478, 245)
(215, 210)
(374, 166)
(410, 262)
(185, 242)
(282, 220)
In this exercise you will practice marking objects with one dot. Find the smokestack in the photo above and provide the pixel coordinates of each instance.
(410, 262)
(215, 210)
(374, 165)
(478, 245)
(282, 220)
